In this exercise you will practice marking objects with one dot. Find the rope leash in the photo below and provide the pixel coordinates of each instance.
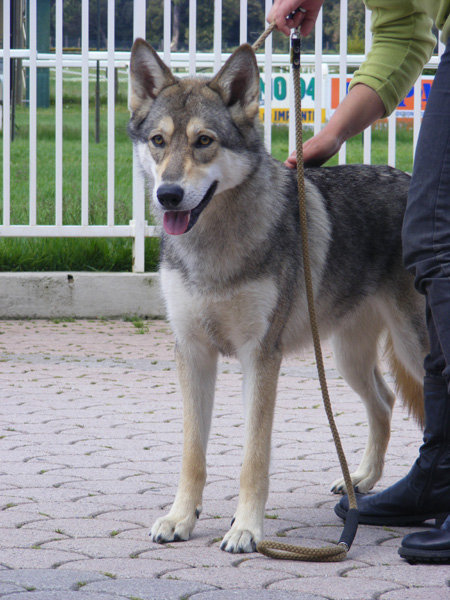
(277, 549)
(262, 38)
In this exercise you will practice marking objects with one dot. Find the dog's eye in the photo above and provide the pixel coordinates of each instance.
(203, 141)
(158, 140)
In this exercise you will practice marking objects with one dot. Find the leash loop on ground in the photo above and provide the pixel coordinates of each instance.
(277, 549)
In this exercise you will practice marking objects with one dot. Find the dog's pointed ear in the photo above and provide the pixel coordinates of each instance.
(148, 76)
(237, 82)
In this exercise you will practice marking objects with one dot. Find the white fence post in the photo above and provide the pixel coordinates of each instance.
(342, 66)
(217, 35)
(6, 113)
(367, 135)
(111, 111)
(192, 36)
(59, 113)
(138, 223)
(318, 69)
(268, 86)
(85, 112)
(32, 111)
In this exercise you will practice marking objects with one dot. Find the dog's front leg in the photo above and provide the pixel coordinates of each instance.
(197, 374)
(261, 371)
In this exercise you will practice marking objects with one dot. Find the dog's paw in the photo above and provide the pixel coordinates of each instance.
(363, 483)
(173, 529)
(239, 540)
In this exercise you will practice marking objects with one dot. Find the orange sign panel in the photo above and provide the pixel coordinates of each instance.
(406, 104)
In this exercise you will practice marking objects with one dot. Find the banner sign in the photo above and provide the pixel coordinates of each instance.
(281, 83)
(405, 110)
(280, 97)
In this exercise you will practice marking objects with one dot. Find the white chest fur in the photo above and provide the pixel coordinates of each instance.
(230, 320)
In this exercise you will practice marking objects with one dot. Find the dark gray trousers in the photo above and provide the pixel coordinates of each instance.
(426, 228)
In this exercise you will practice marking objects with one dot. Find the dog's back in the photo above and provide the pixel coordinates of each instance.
(365, 205)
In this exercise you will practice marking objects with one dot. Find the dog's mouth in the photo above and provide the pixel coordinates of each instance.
(177, 222)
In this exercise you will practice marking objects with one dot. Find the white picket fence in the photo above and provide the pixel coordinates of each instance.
(138, 228)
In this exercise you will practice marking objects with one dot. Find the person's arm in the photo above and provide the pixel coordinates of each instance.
(359, 109)
(402, 43)
(282, 8)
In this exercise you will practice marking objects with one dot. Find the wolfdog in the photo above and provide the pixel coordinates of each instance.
(232, 273)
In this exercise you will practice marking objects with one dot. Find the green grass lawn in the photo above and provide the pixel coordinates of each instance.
(111, 254)
(46, 254)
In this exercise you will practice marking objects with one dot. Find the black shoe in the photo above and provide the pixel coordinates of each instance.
(392, 507)
(425, 492)
(427, 546)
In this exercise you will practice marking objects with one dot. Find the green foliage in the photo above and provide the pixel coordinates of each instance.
(205, 25)
(72, 23)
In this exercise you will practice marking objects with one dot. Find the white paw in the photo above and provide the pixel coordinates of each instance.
(363, 481)
(241, 539)
(173, 529)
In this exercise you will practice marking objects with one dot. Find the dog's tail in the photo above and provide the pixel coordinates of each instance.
(409, 389)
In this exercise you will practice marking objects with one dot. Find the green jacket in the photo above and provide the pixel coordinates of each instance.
(402, 43)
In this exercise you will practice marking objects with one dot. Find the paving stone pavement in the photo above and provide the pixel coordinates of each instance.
(90, 446)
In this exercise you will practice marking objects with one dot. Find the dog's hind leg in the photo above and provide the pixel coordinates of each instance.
(197, 364)
(407, 345)
(261, 371)
(355, 348)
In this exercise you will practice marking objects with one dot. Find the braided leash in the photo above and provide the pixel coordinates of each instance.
(277, 549)
(262, 38)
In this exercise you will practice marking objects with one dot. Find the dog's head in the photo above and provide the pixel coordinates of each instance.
(193, 134)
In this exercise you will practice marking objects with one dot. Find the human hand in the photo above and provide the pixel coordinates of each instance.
(283, 8)
(317, 150)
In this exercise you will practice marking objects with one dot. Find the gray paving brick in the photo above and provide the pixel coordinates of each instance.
(97, 528)
(68, 595)
(254, 595)
(47, 579)
(90, 452)
(229, 577)
(126, 566)
(9, 588)
(148, 590)
(338, 588)
(406, 574)
(420, 593)
(36, 558)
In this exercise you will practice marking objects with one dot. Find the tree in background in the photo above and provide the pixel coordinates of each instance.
(205, 25)
(355, 31)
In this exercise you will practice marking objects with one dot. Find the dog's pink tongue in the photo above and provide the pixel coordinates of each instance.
(176, 221)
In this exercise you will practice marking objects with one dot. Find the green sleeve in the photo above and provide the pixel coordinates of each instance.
(402, 43)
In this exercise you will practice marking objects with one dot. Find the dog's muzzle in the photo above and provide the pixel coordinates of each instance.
(177, 222)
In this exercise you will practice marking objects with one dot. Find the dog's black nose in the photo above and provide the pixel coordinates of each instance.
(170, 195)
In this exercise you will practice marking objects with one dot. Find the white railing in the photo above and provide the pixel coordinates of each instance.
(138, 228)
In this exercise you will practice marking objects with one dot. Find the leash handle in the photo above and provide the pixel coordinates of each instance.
(296, 49)
(350, 527)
